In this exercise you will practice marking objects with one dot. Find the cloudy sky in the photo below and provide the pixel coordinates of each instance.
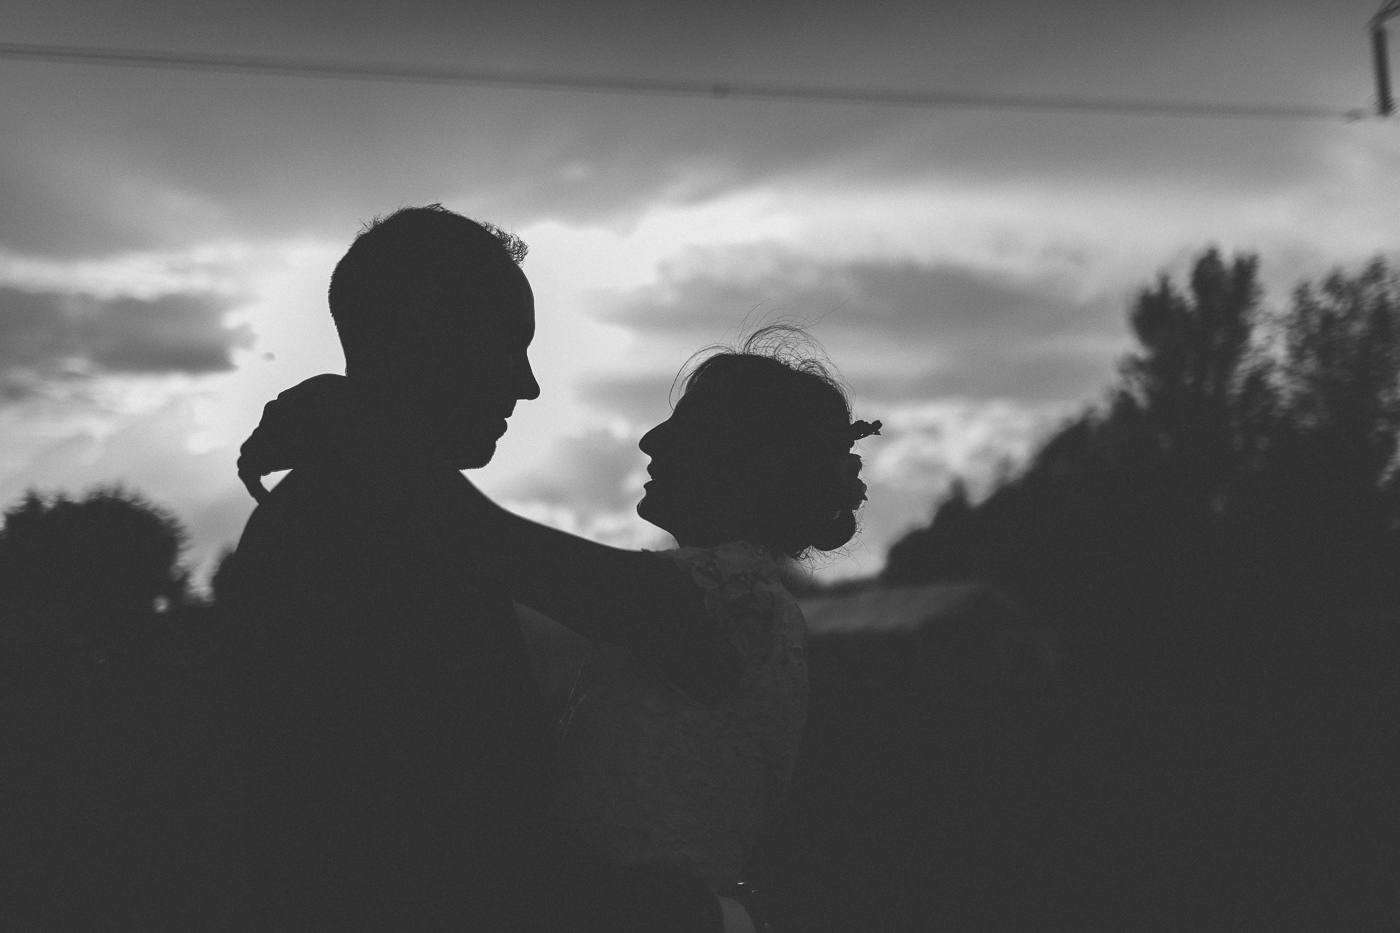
(166, 236)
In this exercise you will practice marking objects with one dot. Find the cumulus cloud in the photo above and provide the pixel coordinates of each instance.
(54, 336)
(47, 336)
(642, 399)
(89, 164)
(149, 452)
(925, 446)
(897, 329)
(898, 299)
(588, 484)
(598, 471)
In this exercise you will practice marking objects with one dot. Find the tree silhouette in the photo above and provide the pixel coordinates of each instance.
(1186, 385)
(1221, 536)
(1241, 457)
(221, 579)
(93, 567)
(1323, 493)
(947, 549)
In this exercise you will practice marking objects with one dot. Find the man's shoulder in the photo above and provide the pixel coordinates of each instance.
(324, 520)
(313, 514)
(307, 493)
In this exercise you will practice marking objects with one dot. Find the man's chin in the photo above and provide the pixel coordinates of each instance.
(474, 443)
(472, 455)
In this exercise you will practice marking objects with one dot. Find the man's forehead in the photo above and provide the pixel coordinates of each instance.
(517, 305)
(499, 298)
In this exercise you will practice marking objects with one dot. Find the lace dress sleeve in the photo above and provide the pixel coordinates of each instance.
(650, 775)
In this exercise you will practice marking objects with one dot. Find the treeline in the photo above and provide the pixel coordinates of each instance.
(1218, 542)
(1243, 468)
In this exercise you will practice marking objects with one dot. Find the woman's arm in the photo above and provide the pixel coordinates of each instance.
(635, 599)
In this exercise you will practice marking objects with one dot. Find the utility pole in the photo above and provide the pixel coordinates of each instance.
(1385, 105)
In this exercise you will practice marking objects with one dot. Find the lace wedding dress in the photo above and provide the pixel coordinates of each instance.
(649, 775)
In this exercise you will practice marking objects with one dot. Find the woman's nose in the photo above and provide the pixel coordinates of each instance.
(654, 440)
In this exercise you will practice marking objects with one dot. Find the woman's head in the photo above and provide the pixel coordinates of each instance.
(758, 447)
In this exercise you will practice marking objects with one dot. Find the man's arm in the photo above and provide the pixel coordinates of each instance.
(635, 599)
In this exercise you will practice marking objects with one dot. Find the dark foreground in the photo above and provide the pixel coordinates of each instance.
(1249, 784)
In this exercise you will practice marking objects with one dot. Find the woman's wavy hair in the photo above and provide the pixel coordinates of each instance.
(795, 418)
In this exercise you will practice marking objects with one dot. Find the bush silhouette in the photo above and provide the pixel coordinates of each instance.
(95, 567)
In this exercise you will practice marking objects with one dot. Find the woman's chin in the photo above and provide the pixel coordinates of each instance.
(648, 512)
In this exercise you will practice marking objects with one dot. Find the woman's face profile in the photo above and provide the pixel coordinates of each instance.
(701, 471)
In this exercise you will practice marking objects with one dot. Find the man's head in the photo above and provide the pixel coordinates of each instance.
(435, 318)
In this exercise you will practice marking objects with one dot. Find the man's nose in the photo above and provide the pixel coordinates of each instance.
(526, 387)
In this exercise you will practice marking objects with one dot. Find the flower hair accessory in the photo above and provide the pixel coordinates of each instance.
(861, 429)
(850, 490)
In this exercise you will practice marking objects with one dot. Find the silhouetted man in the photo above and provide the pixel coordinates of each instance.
(398, 758)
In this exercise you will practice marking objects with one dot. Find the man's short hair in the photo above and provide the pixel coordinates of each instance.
(395, 257)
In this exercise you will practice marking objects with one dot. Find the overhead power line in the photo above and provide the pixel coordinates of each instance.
(662, 87)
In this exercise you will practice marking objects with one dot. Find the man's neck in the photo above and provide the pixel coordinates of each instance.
(413, 442)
